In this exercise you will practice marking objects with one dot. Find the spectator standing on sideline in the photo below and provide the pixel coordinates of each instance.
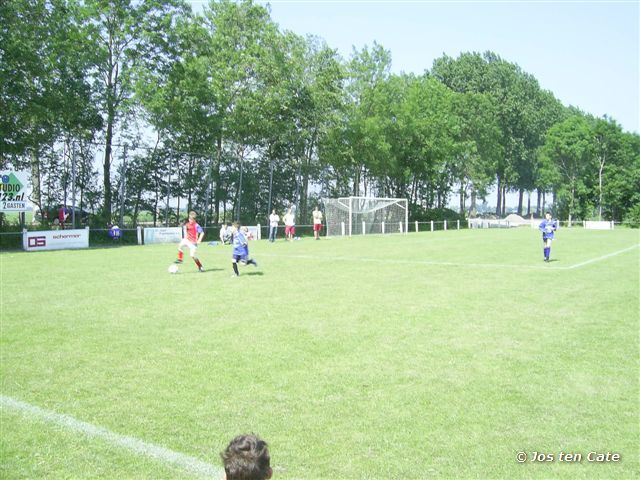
(317, 223)
(274, 219)
(63, 214)
(289, 224)
(224, 233)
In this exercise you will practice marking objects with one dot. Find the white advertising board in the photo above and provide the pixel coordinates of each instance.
(593, 225)
(254, 232)
(55, 240)
(162, 235)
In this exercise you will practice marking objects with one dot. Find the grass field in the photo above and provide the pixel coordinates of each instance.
(435, 355)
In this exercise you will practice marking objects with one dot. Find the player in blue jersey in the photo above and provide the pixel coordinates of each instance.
(240, 249)
(548, 226)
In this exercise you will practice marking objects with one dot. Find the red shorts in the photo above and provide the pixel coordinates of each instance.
(317, 227)
(290, 229)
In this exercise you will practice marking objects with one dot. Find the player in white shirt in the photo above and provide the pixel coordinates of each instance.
(317, 223)
(289, 224)
(274, 219)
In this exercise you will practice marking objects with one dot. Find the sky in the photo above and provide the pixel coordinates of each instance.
(587, 53)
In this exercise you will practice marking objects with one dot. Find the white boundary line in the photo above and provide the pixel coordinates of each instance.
(452, 264)
(410, 262)
(603, 257)
(137, 446)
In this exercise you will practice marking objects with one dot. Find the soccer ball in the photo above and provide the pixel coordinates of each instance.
(173, 268)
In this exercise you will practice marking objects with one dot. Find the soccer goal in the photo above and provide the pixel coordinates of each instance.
(348, 216)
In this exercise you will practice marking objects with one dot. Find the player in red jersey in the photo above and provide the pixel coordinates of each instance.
(194, 234)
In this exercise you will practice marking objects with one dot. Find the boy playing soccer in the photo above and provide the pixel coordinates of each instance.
(194, 234)
(548, 226)
(240, 249)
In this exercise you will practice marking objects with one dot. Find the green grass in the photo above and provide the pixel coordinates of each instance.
(365, 358)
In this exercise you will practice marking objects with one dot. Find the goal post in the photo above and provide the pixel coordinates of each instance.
(347, 216)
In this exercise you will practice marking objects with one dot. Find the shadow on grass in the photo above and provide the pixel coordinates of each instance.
(206, 270)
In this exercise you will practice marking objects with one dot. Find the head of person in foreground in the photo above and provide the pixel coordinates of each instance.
(247, 458)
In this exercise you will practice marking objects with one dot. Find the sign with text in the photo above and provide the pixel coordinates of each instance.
(593, 225)
(55, 240)
(162, 235)
(14, 192)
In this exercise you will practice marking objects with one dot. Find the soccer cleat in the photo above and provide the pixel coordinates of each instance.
(255, 264)
(234, 275)
(178, 261)
(201, 269)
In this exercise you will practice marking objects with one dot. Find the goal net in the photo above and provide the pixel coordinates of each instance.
(365, 215)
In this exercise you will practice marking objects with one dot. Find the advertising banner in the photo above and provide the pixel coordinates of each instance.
(162, 235)
(254, 232)
(14, 191)
(55, 240)
(593, 225)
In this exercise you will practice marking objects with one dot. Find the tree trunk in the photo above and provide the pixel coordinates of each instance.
(82, 176)
(538, 203)
(499, 201)
(177, 194)
(136, 208)
(528, 204)
(216, 180)
(520, 199)
(414, 191)
(472, 204)
(156, 201)
(305, 179)
(106, 214)
(189, 190)
(271, 166)
(36, 196)
(237, 201)
(573, 192)
(600, 188)
(431, 196)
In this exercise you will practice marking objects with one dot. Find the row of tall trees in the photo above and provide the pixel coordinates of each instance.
(223, 112)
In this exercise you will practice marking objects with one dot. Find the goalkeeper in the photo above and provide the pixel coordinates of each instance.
(548, 226)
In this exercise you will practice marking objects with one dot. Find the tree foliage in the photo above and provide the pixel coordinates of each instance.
(225, 113)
